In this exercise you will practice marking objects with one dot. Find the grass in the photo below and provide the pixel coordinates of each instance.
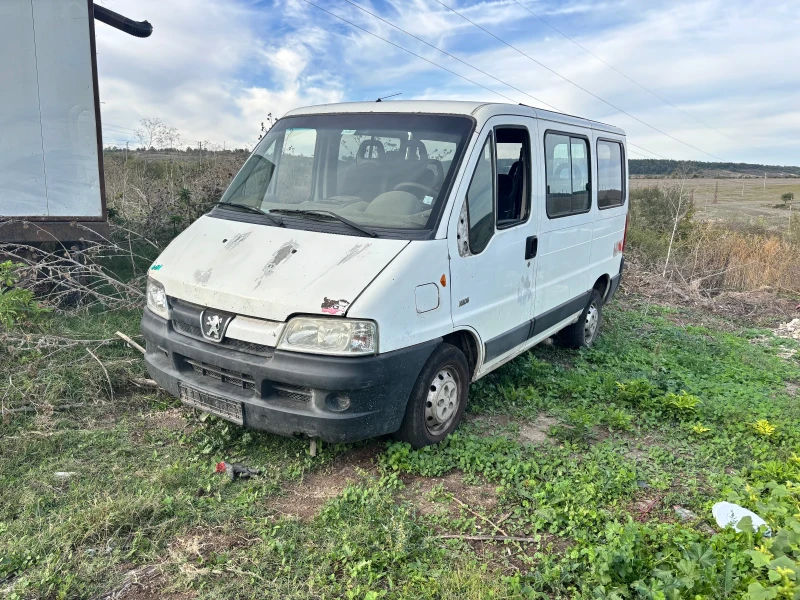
(659, 414)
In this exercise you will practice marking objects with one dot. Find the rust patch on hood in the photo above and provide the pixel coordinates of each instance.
(281, 255)
(237, 239)
(202, 277)
(353, 252)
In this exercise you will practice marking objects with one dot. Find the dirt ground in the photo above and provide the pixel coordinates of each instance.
(759, 308)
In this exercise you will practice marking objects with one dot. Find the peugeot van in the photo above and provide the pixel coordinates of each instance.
(371, 260)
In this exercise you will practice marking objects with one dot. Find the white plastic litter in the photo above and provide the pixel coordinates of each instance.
(789, 330)
(727, 513)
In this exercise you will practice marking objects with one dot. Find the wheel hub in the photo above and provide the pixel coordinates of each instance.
(592, 321)
(443, 400)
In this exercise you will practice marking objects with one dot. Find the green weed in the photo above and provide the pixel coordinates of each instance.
(17, 305)
(595, 501)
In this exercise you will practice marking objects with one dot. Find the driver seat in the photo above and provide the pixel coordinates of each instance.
(363, 179)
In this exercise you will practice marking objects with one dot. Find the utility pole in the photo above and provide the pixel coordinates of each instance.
(716, 190)
(765, 180)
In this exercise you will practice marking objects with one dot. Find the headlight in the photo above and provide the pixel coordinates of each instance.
(157, 298)
(344, 337)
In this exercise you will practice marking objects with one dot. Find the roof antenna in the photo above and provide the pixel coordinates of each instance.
(390, 96)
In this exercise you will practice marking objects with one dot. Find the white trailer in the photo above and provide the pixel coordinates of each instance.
(51, 159)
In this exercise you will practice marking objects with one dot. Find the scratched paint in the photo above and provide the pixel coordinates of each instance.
(525, 291)
(281, 255)
(462, 232)
(237, 239)
(353, 252)
(202, 277)
(334, 307)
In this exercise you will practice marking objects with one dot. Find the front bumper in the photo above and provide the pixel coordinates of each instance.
(290, 393)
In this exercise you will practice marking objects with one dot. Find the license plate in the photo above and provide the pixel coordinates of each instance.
(230, 410)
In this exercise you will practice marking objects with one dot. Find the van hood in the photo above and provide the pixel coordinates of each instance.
(270, 272)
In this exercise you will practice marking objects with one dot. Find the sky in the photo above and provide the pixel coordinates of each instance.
(688, 79)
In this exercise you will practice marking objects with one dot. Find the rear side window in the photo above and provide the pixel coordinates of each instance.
(610, 175)
(567, 171)
(480, 200)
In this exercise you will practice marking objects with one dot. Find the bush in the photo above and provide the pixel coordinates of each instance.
(16, 304)
(711, 257)
(656, 213)
(656, 209)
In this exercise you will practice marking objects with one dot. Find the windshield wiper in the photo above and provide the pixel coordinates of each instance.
(329, 213)
(251, 209)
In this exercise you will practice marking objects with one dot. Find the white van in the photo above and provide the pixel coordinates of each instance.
(370, 260)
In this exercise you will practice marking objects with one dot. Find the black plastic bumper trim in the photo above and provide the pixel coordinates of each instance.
(378, 387)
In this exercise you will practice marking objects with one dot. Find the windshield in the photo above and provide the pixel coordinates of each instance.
(377, 170)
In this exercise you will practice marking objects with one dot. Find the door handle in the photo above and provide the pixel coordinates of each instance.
(531, 246)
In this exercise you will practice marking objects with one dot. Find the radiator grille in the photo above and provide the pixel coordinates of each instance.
(240, 380)
(193, 331)
(186, 329)
(249, 347)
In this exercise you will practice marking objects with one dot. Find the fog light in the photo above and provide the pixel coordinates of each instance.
(338, 402)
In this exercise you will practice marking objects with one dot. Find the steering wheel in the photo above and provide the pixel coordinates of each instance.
(418, 189)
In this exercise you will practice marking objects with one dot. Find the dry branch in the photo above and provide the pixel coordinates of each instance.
(102, 366)
(480, 516)
(130, 342)
(488, 538)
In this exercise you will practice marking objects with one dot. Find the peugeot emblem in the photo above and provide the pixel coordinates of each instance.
(213, 325)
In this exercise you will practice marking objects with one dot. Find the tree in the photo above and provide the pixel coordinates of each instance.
(151, 133)
(266, 126)
(787, 197)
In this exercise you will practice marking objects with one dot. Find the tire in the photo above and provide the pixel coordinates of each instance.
(438, 398)
(583, 333)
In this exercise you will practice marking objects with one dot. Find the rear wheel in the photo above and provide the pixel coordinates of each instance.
(438, 398)
(583, 333)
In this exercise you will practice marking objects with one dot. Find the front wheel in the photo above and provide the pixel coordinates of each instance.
(438, 398)
(584, 332)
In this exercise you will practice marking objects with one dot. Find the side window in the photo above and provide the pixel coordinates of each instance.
(480, 200)
(296, 164)
(513, 176)
(610, 176)
(567, 172)
(580, 175)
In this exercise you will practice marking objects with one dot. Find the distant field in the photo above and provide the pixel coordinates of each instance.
(740, 201)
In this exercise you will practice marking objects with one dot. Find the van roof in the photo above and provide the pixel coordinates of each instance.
(480, 110)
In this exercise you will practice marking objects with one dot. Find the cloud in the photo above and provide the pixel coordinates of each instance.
(215, 68)
(208, 69)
